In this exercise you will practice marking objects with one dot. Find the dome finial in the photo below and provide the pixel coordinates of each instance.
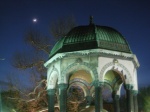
(91, 20)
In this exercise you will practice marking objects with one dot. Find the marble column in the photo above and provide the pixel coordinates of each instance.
(116, 102)
(135, 102)
(101, 97)
(63, 97)
(98, 96)
(51, 100)
(129, 100)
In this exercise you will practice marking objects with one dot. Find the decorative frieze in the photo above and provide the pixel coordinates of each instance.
(116, 67)
(78, 66)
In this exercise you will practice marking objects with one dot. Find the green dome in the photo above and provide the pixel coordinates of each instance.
(91, 37)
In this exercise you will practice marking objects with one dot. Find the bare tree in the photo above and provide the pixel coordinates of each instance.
(32, 61)
(62, 26)
(75, 99)
(38, 40)
(25, 102)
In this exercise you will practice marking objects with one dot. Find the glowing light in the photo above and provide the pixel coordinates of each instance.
(34, 20)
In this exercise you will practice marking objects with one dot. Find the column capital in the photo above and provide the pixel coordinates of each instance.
(129, 99)
(96, 83)
(115, 95)
(63, 86)
(128, 86)
(135, 92)
(51, 91)
(101, 84)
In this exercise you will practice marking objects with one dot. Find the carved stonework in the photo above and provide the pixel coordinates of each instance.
(115, 67)
(108, 45)
(85, 87)
(128, 87)
(52, 77)
(104, 69)
(96, 60)
(79, 60)
(78, 66)
(81, 81)
(135, 92)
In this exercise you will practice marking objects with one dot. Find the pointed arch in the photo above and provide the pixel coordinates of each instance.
(119, 68)
(81, 85)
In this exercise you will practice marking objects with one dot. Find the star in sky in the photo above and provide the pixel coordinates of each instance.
(2, 59)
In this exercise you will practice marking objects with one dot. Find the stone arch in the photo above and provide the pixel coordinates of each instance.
(52, 78)
(81, 85)
(78, 66)
(119, 68)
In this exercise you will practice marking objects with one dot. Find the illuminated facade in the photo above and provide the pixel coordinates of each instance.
(90, 57)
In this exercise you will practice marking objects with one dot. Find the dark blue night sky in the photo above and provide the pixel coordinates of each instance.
(130, 17)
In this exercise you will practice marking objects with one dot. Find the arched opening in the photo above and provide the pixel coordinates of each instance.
(112, 83)
(107, 93)
(80, 68)
(79, 90)
(82, 75)
(75, 98)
